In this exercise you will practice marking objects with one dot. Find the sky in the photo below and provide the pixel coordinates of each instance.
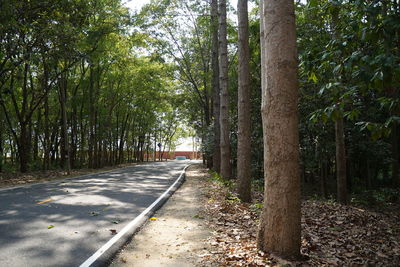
(137, 4)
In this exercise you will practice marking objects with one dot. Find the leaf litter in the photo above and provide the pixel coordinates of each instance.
(332, 234)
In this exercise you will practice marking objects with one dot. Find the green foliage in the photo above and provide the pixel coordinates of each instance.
(118, 101)
(349, 69)
(217, 179)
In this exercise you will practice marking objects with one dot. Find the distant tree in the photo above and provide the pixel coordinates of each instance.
(226, 170)
(244, 108)
(215, 86)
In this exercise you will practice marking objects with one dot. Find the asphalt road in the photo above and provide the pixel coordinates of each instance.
(63, 223)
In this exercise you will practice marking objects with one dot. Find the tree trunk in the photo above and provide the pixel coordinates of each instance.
(24, 148)
(324, 178)
(280, 229)
(226, 171)
(215, 86)
(395, 155)
(64, 125)
(244, 109)
(1, 144)
(91, 117)
(340, 162)
(36, 137)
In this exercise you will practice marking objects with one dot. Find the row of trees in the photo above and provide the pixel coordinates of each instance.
(348, 55)
(75, 90)
(349, 78)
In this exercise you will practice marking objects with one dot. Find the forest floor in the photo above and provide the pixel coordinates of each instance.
(8, 179)
(204, 224)
(332, 234)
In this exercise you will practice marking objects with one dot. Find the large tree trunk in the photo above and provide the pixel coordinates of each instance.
(244, 109)
(280, 221)
(215, 86)
(224, 99)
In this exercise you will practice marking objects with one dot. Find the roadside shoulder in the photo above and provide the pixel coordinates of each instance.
(176, 235)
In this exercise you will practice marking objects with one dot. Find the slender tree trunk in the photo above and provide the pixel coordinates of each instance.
(82, 143)
(341, 173)
(324, 178)
(12, 149)
(36, 137)
(1, 143)
(64, 125)
(226, 171)
(125, 126)
(148, 147)
(395, 155)
(24, 144)
(215, 86)
(96, 140)
(155, 145)
(244, 109)
(341, 170)
(91, 119)
(24, 148)
(280, 221)
(46, 145)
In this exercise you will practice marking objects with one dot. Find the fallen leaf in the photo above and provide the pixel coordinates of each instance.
(153, 219)
(113, 231)
(44, 201)
(50, 226)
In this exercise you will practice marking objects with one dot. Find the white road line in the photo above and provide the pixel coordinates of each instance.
(133, 223)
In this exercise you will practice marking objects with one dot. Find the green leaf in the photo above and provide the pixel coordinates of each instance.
(337, 68)
(313, 77)
(312, 3)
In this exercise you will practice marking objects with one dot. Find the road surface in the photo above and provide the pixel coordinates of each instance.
(65, 222)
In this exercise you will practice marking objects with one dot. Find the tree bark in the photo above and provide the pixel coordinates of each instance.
(280, 229)
(244, 109)
(224, 98)
(215, 86)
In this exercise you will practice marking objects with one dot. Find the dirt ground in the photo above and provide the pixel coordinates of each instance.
(177, 235)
